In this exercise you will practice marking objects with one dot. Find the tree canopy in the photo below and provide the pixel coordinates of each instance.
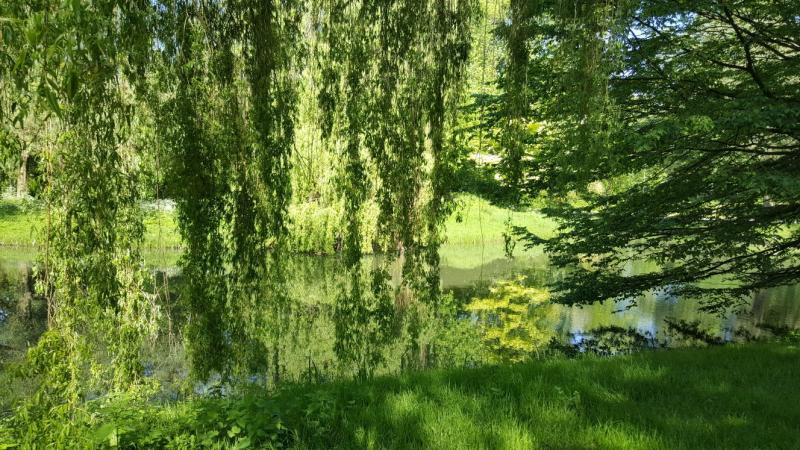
(677, 122)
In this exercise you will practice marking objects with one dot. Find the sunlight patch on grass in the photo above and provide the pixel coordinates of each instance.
(476, 221)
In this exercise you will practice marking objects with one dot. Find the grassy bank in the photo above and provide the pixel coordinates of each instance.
(476, 221)
(722, 397)
(22, 224)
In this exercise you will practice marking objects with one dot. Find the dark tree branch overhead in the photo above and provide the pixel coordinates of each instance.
(751, 67)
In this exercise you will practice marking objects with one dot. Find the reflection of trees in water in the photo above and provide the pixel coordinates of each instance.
(365, 344)
(23, 314)
(515, 320)
(377, 332)
(778, 306)
(363, 320)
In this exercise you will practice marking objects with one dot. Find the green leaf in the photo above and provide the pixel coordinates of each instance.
(243, 443)
(106, 432)
(52, 101)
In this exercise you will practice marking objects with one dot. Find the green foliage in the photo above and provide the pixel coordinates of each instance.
(615, 340)
(93, 228)
(228, 98)
(782, 333)
(690, 333)
(125, 422)
(687, 113)
(10, 150)
(363, 317)
(390, 82)
(513, 320)
(664, 130)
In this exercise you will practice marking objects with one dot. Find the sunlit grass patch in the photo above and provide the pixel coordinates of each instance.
(476, 221)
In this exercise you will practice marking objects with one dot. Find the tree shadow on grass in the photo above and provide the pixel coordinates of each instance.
(716, 398)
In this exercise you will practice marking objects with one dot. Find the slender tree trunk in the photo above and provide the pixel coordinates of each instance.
(22, 175)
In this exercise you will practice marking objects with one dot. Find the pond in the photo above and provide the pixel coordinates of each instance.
(307, 348)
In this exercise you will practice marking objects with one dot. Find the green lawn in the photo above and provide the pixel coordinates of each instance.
(732, 397)
(476, 222)
(23, 222)
(20, 223)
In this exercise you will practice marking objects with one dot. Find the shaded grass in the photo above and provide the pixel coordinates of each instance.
(727, 397)
(476, 222)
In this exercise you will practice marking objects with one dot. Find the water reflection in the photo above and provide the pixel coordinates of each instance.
(322, 337)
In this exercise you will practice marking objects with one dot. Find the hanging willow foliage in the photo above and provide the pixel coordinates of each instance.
(195, 162)
(516, 105)
(79, 64)
(231, 134)
(577, 44)
(390, 77)
(222, 79)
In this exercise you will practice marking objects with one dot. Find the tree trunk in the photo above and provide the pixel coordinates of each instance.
(22, 175)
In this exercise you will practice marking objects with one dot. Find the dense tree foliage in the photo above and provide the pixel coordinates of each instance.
(199, 101)
(391, 78)
(677, 122)
(657, 130)
(74, 62)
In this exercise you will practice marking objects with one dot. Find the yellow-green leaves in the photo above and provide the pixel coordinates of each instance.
(514, 319)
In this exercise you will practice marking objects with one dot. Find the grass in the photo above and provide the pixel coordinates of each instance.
(22, 223)
(726, 397)
(476, 222)
(729, 397)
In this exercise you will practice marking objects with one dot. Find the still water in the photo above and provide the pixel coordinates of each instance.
(309, 338)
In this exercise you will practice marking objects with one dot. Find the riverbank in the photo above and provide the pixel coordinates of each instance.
(737, 396)
(475, 221)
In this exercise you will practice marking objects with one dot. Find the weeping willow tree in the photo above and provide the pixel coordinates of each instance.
(388, 82)
(227, 96)
(78, 66)
(221, 80)
(229, 83)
